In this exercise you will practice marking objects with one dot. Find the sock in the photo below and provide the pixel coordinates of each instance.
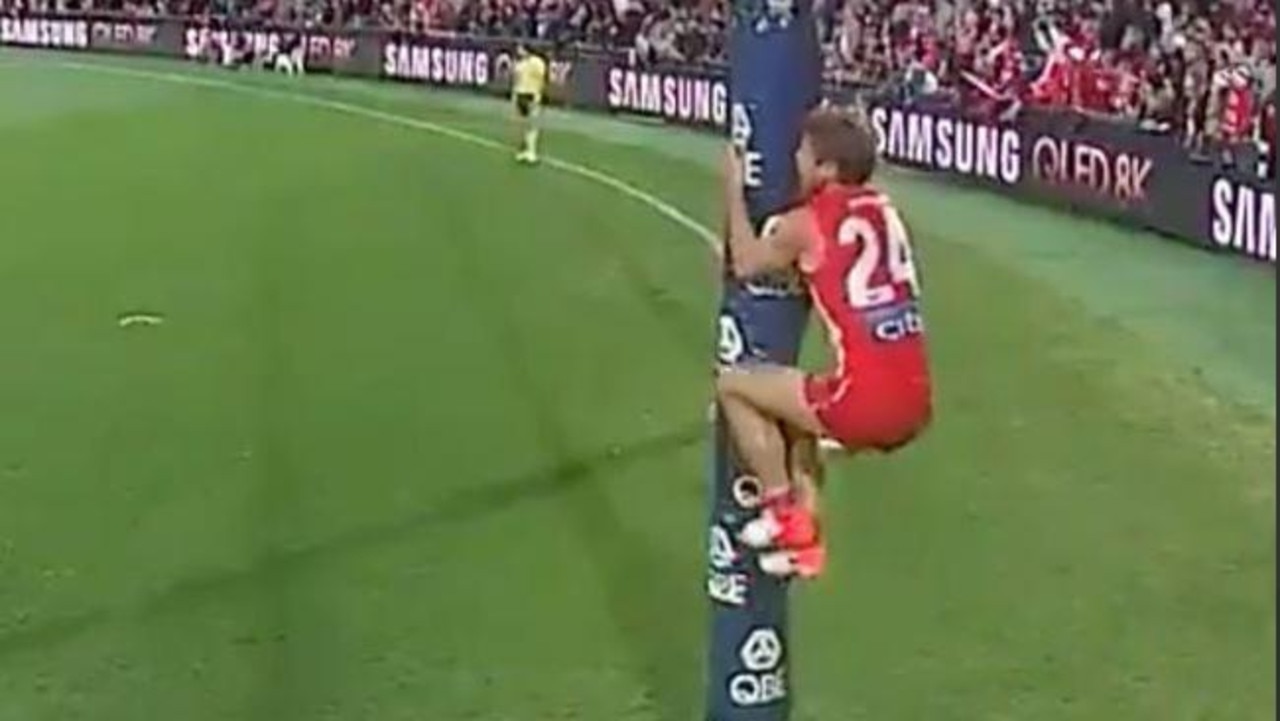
(774, 496)
(531, 141)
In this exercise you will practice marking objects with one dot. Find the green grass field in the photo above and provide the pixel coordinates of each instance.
(423, 433)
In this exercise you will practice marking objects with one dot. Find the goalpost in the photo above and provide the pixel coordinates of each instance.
(774, 79)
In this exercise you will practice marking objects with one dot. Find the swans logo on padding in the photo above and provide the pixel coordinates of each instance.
(949, 144)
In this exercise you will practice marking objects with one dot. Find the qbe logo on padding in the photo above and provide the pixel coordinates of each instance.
(720, 549)
(724, 584)
(765, 679)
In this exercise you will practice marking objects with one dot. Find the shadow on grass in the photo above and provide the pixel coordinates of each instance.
(461, 508)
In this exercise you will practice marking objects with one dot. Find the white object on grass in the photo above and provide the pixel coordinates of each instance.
(128, 320)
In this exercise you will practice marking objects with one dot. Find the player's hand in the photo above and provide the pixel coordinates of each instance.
(733, 168)
(717, 264)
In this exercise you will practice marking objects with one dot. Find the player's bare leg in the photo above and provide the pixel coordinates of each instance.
(759, 442)
(527, 126)
(776, 392)
(758, 402)
(805, 463)
(526, 146)
(531, 134)
(522, 139)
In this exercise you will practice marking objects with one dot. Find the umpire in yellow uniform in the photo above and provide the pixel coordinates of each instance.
(528, 87)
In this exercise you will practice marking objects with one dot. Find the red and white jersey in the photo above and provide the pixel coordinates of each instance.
(1006, 67)
(1237, 106)
(862, 278)
(1054, 84)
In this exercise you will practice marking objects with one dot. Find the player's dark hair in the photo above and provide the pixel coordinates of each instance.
(844, 138)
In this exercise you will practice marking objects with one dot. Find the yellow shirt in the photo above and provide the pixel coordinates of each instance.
(530, 77)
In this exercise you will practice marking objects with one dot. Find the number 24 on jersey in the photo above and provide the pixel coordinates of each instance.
(892, 251)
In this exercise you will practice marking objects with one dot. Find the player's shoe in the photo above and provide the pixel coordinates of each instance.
(782, 524)
(526, 157)
(790, 532)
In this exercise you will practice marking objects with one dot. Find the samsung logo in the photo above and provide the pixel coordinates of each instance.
(44, 33)
(1243, 218)
(436, 65)
(675, 97)
(949, 144)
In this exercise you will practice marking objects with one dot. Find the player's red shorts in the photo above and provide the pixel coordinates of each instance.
(870, 413)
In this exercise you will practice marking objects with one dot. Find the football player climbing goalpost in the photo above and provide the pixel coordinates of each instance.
(774, 80)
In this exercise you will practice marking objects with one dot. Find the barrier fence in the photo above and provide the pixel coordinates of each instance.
(1098, 166)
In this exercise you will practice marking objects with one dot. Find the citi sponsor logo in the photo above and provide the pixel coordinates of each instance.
(461, 67)
(684, 98)
(1243, 219)
(947, 144)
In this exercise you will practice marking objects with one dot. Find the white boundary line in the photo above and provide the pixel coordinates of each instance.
(655, 203)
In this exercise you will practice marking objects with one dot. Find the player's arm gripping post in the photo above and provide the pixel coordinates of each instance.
(774, 81)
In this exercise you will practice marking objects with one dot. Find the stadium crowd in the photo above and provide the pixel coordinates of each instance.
(1204, 69)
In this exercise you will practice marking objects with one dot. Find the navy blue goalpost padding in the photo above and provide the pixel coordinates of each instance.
(774, 79)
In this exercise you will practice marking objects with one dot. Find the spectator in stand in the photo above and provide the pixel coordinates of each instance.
(1159, 105)
(1233, 93)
